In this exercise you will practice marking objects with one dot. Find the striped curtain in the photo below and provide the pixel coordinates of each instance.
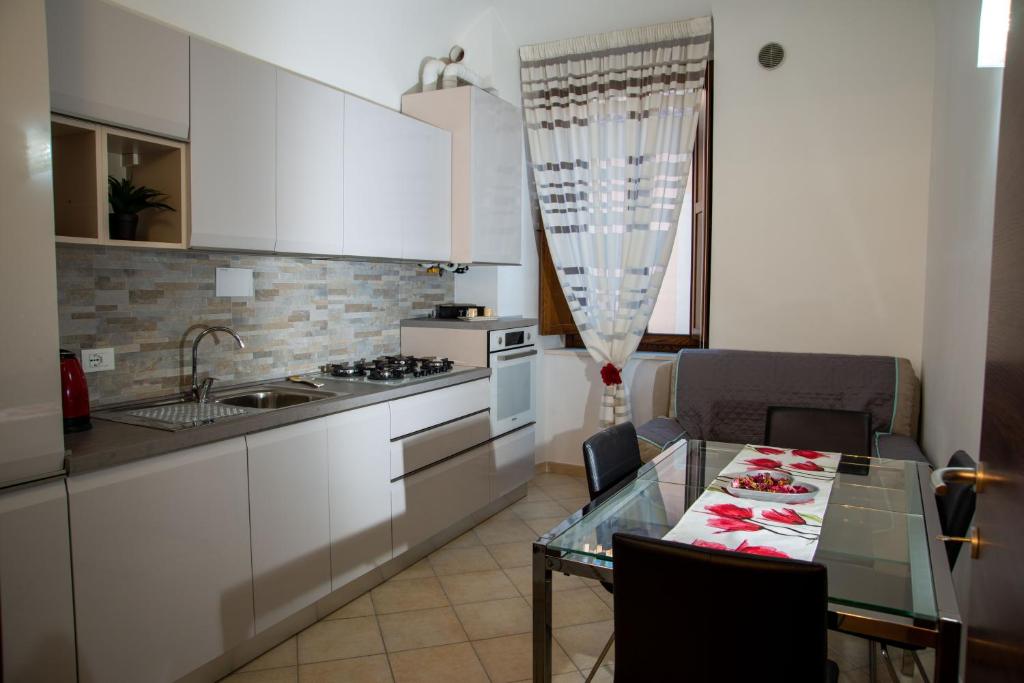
(611, 121)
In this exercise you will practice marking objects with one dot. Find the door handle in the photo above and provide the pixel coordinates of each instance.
(974, 539)
(959, 475)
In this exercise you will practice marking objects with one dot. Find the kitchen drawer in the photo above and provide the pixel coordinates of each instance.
(418, 412)
(434, 499)
(431, 445)
(512, 462)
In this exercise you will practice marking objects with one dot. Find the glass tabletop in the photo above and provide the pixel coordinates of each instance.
(873, 539)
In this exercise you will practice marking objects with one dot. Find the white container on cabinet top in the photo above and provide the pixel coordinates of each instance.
(162, 564)
(487, 170)
(233, 149)
(112, 66)
(310, 124)
(397, 185)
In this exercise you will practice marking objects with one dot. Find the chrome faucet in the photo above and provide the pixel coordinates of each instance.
(201, 391)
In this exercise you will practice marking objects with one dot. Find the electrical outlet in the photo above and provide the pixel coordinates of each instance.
(95, 360)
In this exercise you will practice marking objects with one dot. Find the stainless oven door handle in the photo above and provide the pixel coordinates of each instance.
(516, 356)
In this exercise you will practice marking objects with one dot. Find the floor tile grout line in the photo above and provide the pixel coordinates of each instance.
(451, 606)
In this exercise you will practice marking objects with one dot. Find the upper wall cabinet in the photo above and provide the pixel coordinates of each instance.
(310, 121)
(487, 170)
(234, 126)
(397, 185)
(112, 66)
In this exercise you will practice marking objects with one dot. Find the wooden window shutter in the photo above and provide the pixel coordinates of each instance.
(555, 317)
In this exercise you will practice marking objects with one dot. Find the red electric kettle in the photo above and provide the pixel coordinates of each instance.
(74, 393)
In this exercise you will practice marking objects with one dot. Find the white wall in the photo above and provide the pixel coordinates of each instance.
(371, 49)
(820, 186)
(570, 399)
(965, 142)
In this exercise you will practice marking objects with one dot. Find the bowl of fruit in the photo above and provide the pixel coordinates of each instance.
(771, 485)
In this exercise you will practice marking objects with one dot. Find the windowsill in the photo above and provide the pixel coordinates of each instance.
(639, 355)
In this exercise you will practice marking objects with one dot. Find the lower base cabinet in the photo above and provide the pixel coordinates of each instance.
(512, 460)
(357, 443)
(290, 516)
(433, 499)
(162, 568)
(36, 610)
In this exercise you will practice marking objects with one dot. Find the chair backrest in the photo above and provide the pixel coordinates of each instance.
(610, 456)
(819, 429)
(956, 508)
(697, 614)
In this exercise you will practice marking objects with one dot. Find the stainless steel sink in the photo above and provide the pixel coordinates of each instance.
(183, 413)
(271, 398)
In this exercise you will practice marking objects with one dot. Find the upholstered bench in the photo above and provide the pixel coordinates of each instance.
(722, 395)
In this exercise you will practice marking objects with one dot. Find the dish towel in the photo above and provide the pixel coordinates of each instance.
(719, 519)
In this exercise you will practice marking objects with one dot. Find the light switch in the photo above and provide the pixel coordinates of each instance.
(234, 282)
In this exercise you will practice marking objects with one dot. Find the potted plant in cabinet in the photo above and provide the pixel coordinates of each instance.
(126, 201)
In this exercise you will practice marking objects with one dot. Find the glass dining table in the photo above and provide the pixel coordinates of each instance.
(888, 573)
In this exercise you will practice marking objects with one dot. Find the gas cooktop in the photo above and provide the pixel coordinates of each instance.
(390, 369)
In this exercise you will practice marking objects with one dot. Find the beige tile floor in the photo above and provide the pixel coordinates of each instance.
(463, 614)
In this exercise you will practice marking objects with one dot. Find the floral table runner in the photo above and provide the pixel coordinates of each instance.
(719, 519)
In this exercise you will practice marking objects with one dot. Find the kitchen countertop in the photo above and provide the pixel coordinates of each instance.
(502, 323)
(109, 444)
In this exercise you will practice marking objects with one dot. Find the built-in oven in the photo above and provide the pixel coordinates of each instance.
(512, 357)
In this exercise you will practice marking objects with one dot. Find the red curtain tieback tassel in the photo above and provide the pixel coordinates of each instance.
(610, 375)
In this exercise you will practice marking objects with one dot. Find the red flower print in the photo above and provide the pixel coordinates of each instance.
(765, 550)
(730, 510)
(810, 455)
(701, 543)
(610, 375)
(785, 516)
(807, 466)
(724, 524)
(764, 463)
(768, 450)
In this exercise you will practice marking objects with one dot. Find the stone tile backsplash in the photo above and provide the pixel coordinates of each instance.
(149, 304)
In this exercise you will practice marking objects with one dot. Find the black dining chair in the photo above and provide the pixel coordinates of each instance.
(819, 429)
(956, 510)
(610, 456)
(698, 614)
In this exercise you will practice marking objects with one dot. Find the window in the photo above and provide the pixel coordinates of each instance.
(993, 25)
(680, 317)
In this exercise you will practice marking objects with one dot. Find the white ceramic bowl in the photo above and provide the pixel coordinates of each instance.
(770, 496)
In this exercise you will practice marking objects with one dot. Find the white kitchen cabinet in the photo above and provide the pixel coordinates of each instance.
(422, 449)
(397, 184)
(233, 148)
(357, 442)
(162, 564)
(290, 517)
(512, 462)
(434, 499)
(113, 66)
(422, 411)
(310, 121)
(36, 607)
(487, 170)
